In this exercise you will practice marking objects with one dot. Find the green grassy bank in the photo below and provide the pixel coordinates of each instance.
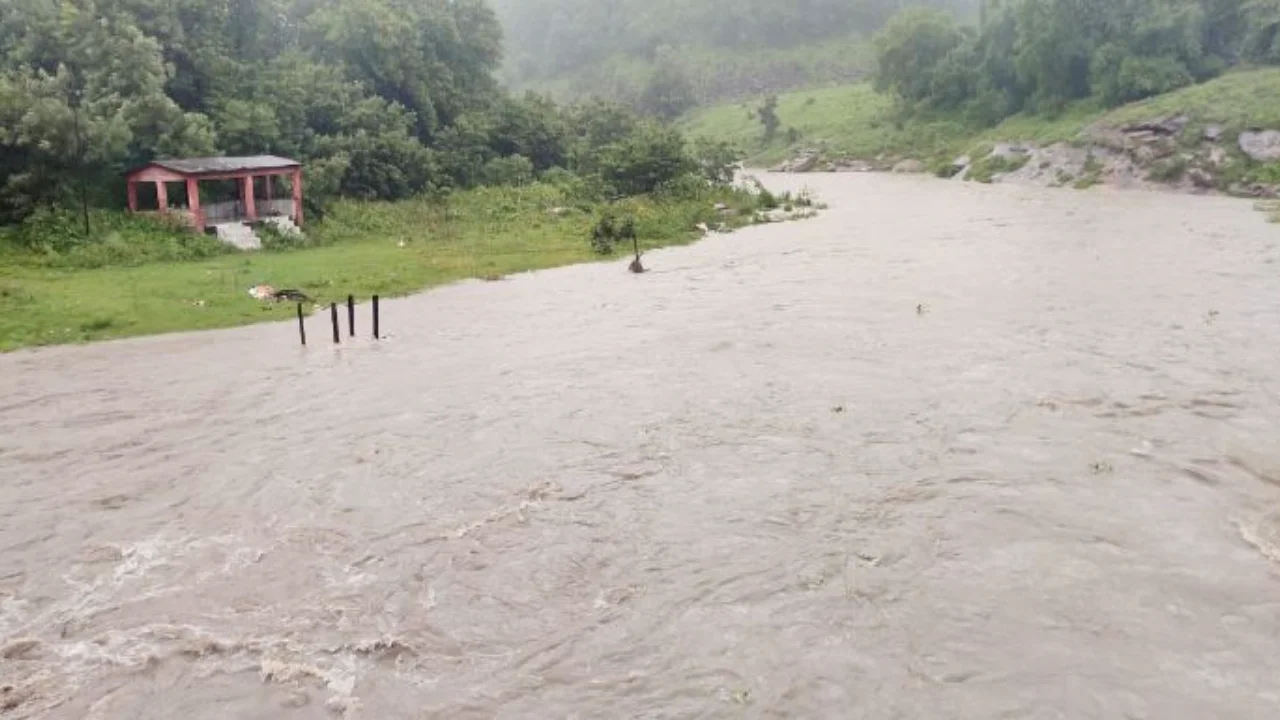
(854, 121)
(137, 278)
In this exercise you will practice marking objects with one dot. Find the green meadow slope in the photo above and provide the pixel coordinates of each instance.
(838, 125)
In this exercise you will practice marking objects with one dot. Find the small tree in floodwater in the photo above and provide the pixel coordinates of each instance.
(610, 232)
(768, 114)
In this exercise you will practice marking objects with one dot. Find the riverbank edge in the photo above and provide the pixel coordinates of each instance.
(1168, 153)
(386, 249)
(1217, 137)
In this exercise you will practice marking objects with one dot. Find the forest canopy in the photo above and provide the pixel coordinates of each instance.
(1038, 55)
(382, 99)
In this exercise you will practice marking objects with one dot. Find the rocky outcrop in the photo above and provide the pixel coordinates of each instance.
(1145, 142)
(1056, 164)
(1261, 191)
(1200, 178)
(1161, 127)
(1168, 152)
(850, 166)
(1010, 151)
(802, 162)
(1261, 145)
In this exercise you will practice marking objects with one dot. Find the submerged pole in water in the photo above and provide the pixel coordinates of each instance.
(351, 316)
(302, 326)
(376, 326)
(333, 312)
(629, 229)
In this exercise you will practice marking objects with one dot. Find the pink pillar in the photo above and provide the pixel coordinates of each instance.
(193, 202)
(250, 209)
(297, 197)
(133, 196)
(162, 196)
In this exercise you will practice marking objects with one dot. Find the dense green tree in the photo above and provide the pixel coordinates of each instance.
(768, 114)
(1041, 54)
(1262, 31)
(910, 48)
(84, 100)
(669, 92)
(532, 127)
(644, 160)
(601, 123)
(434, 57)
(508, 171)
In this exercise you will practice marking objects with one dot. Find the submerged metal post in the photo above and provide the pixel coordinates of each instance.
(351, 316)
(333, 312)
(376, 326)
(302, 326)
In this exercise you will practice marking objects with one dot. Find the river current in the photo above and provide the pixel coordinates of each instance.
(944, 451)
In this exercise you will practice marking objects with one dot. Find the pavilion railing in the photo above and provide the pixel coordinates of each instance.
(277, 207)
(233, 210)
(223, 212)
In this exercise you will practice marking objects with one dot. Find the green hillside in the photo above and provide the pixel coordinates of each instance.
(856, 122)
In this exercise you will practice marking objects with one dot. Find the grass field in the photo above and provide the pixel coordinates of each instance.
(851, 120)
(365, 249)
(1238, 100)
(855, 121)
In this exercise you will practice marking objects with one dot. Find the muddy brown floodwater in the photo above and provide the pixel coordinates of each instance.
(946, 451)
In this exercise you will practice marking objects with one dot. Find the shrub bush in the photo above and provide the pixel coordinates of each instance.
(642, 162)
(690, 186)
(610, 231)
(1169, 169)
(508, 171)
(275, 240)
(115, 238)
(717, 159)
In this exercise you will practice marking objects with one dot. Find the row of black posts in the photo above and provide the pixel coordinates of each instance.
(351, 321)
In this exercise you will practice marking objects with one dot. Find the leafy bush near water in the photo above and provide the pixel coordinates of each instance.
(611, 231)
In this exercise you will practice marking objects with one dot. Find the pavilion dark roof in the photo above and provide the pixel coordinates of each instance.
(203, 166)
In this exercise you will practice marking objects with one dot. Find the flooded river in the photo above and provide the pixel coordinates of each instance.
(946, 451)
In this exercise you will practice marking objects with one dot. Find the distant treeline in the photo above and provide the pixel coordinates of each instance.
(606, 45)
(381, 98)
(1038, 55)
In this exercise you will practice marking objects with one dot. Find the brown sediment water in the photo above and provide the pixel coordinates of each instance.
(945, 451)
